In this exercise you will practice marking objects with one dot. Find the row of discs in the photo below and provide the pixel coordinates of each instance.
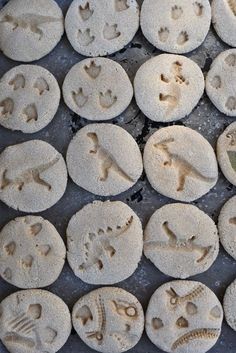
(167, 88)
(110, 319)
(99, 240)
(105, 160)
(96, 28)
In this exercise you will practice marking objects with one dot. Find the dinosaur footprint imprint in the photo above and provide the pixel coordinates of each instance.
(6, 108)
(93, 70)
(110, 32)
(85, 11)
(121, 5)
(107, 99)
(84, 37)
(10, 248)
(176, 12)
(80, 98)
(17, 82)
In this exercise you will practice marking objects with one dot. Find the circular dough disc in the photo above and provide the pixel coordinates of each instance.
(224, 20)
(29, 98)
(109, 319)
(105, 242)
(180, 163)
(34, 321)
(104, 159)
(230, 305)
(184, 317)
(181, 240)
(33, 176)
(227, 226)
(168, 87)
(99, 28)
(175, 26)
(220, 82)
(30, 29)
(97, 89)
(32, 253)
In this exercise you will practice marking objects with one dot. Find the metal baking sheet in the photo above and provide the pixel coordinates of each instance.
(142, 198)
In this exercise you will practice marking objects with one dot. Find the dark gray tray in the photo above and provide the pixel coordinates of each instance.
(142, 198)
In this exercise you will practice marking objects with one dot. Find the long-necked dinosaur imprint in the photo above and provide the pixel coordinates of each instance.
(108, 163)
(31, 175)
(29, 20)
(99, 244)
(184, 168)
(180, 245)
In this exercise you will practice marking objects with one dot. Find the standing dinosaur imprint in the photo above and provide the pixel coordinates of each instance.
(182, 245)
(108, 163)
(184, 168)
(31, 175)
(29, 20)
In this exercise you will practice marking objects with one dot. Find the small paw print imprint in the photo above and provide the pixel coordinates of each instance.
(198, 8)
(182, 38)
(163, 34)
(216, 82)
(231, 60)
(231, 103)
(176, 12)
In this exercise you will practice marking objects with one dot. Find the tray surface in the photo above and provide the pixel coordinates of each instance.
(205, 119)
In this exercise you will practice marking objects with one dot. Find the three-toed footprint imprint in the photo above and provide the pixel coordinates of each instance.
(104, 89)
(29, 98)
(220, 82)
(93, 32)
(176, 34)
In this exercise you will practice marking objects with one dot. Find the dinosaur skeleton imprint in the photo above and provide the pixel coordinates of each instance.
(198, 8)
(125, 309)
(31, 175)
(107, 100)
(232, 5)
(110, 31)
(101, 331)
(232, 136)
(201, 333)
(108, 163)
(6, 108)
(84, 37)
(98, 244)
(181, 245)
(184, 168)
(93, 70)
(176, 300)
(22, 326)
(79, 98)
(10, 248)
(30, 113)
(232, 159)
(176, 12)
(41, 85)
(18, 82)
(29, 21)
(121, 5)
(85, 12)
